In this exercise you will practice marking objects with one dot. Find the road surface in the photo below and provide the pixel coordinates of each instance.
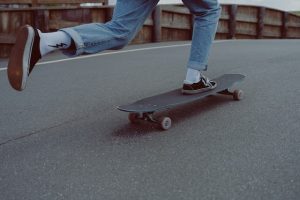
(63, 138)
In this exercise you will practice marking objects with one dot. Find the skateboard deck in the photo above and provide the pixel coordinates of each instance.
(144, 108)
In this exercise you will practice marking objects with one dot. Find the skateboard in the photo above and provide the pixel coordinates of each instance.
(144, 109)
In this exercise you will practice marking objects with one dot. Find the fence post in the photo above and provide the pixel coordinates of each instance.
(284, 28)
(46, 20)
(86, 15)
(157, 24)
(192, 19)
(260, 22)
(106, 2)
(34, 3)
(232, 21)
(108, 13)
(40, 19)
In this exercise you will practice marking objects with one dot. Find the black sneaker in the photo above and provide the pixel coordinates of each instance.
(203, 85)
(23, 57)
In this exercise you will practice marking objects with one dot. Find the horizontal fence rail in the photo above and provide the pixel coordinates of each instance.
(35, 3)
(167, 22)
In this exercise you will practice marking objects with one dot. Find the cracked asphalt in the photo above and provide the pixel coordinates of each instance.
(63, 138)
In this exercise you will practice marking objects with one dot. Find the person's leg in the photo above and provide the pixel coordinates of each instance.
(31, 44)
(206, 16)
(128, 17)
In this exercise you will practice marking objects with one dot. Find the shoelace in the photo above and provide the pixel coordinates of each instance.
(206, 81)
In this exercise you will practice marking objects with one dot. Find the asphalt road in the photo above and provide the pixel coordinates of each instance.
(63, 138)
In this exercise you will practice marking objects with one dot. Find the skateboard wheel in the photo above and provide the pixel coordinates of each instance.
(133, 118)
(238, 95)
(165, 123)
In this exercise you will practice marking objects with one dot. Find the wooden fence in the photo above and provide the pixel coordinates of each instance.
(167, 22)
(258, 22)
(37, 3)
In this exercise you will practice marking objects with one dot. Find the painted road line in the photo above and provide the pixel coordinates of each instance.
(115, 52)
(111, 53)
(121, 52)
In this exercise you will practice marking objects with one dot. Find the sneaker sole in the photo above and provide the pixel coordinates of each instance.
(19, 60)
(198, 91)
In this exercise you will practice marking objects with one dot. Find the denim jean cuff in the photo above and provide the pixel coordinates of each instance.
(77, 40)
(197, 66)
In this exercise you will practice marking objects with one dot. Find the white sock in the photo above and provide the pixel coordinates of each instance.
(192, 76)
(54, 41)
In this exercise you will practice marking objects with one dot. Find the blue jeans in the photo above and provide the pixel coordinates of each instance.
(129, 17)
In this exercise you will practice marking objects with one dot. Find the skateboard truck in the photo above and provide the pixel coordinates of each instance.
(236, 94)
(164, 122)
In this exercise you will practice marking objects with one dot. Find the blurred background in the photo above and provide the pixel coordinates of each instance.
(170, 21)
